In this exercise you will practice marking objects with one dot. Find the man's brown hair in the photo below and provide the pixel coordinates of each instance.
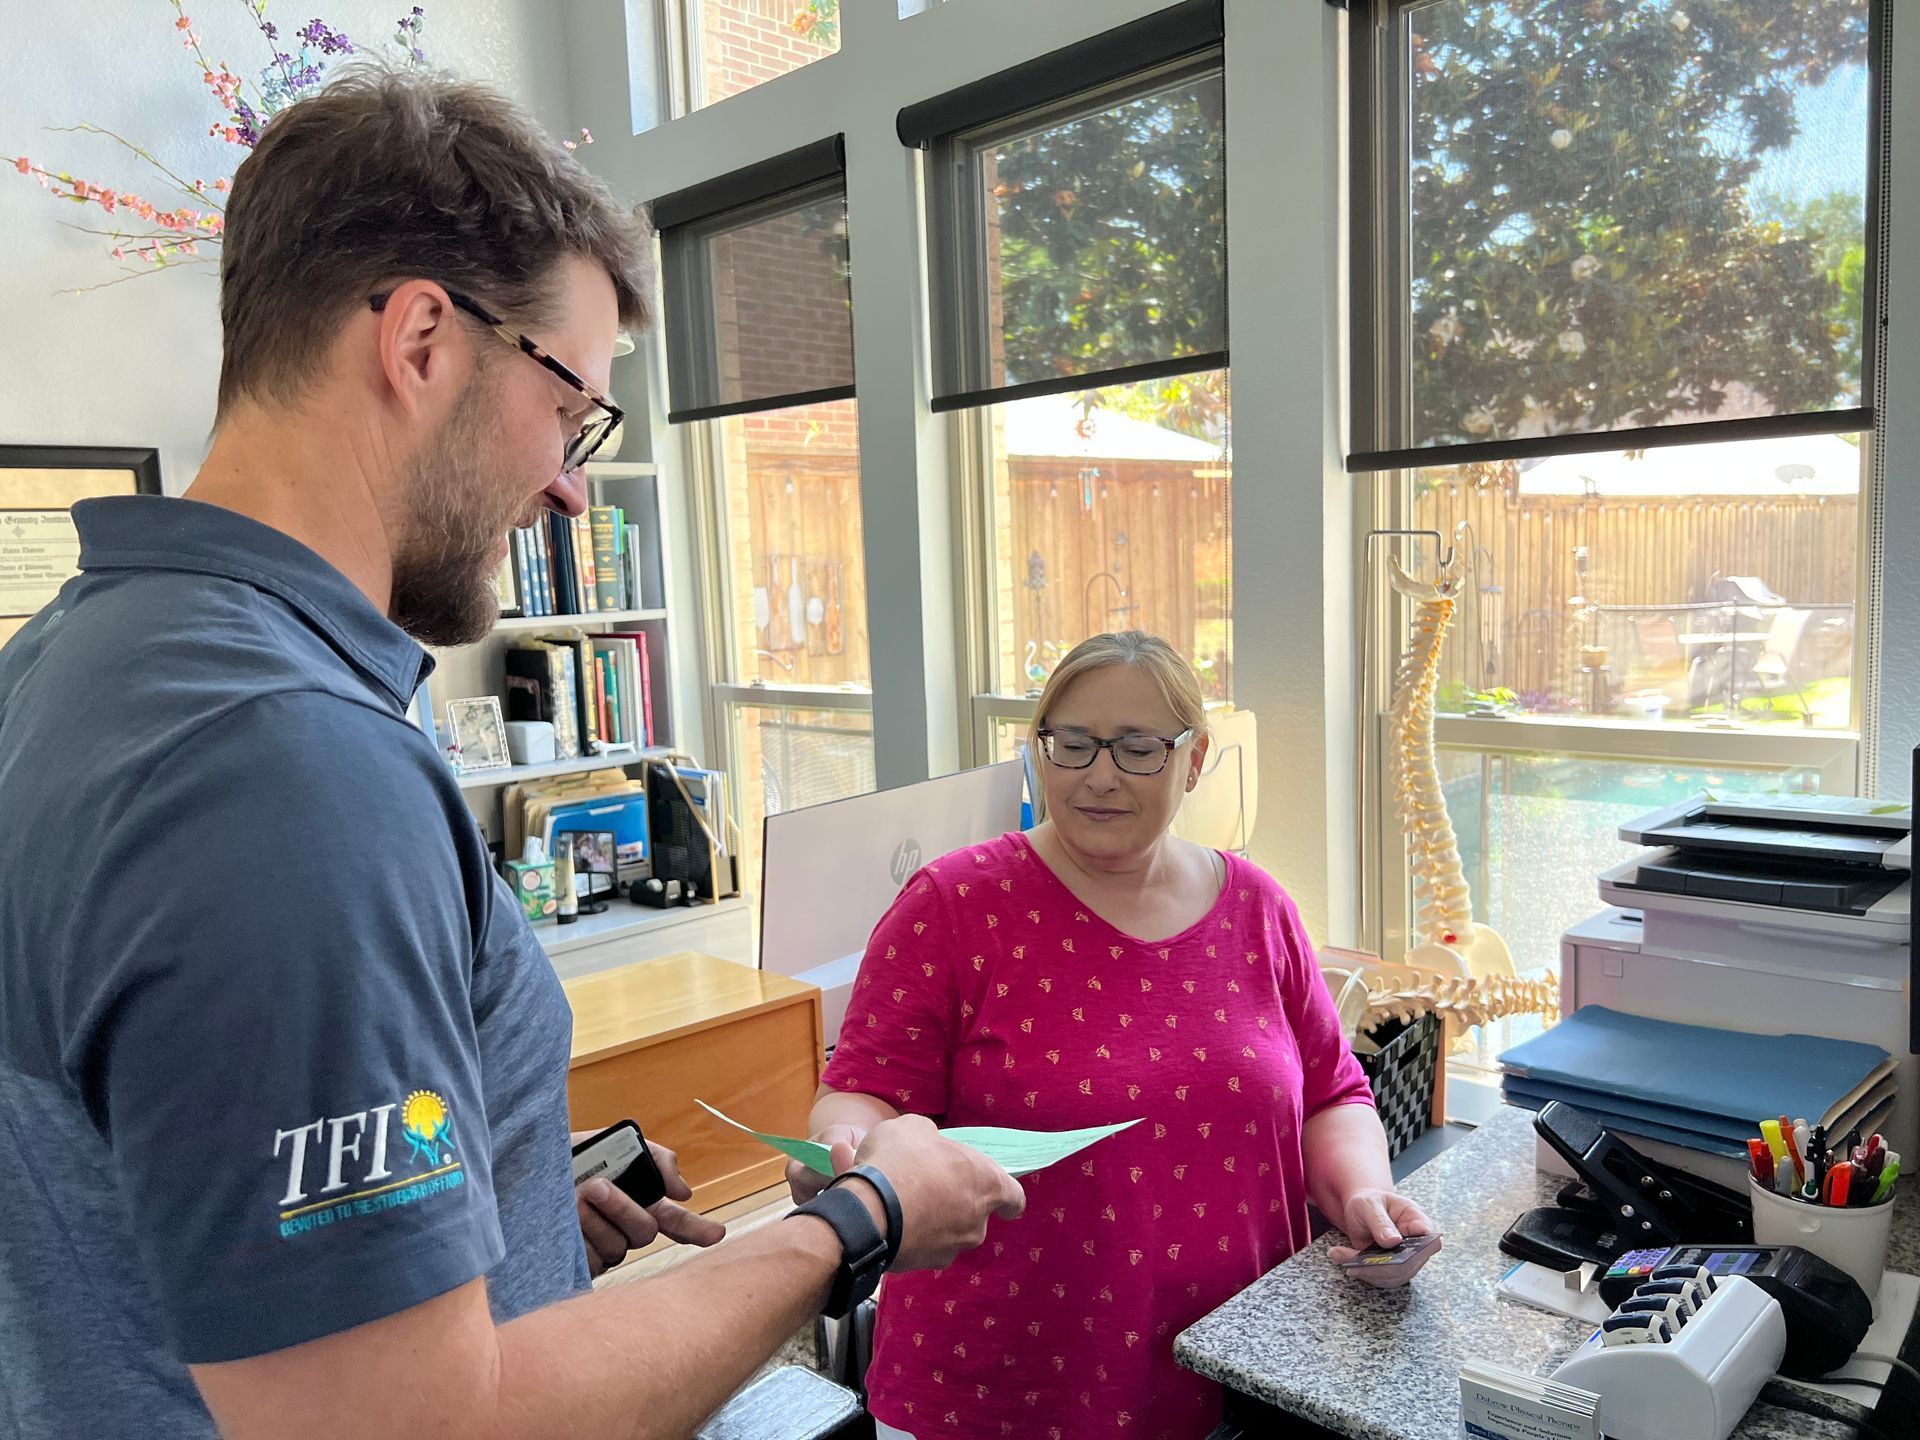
(383, 176)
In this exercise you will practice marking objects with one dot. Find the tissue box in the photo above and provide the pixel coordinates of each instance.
(533, 885)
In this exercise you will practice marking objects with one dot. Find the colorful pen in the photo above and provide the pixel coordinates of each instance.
(1761, 1160)
(1889, 1173)
(1770, 1132)
(1796, 1139)
(1834, 1190)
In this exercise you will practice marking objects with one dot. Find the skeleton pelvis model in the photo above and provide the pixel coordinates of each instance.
(1449, 941)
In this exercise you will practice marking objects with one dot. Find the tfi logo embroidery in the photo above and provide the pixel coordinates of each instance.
(906, 860)
(426, 1124)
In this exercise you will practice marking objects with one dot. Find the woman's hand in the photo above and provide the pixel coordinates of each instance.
(842, 1141)
(1378, 1217)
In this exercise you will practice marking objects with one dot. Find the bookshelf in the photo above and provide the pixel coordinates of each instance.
(515, 774)
(510, 623)
(480, 669)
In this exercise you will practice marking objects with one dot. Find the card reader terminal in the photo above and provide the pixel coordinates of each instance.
(1827, 1314)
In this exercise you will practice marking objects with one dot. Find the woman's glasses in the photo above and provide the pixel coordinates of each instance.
(1135, 754)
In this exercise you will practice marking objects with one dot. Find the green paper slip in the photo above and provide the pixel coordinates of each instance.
(1021, 1152)
(1018, 1152)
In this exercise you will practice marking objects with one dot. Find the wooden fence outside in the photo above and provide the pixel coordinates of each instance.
(1555, 573)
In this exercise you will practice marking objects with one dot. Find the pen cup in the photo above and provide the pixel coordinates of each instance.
(1852, 1240)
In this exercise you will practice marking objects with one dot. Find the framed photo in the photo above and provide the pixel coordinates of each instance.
(39, 547)
(480, 731)
(596, 862)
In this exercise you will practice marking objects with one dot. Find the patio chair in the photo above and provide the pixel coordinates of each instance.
(1774, 670)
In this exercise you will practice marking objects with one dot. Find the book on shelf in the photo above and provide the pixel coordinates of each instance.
(580, 565)
(540, 686)
(622, 656)
(639, 687)
(603, 521)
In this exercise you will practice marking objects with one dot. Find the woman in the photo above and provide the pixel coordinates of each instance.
(1098, 970)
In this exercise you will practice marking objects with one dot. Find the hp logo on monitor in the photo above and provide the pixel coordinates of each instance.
(906, 860)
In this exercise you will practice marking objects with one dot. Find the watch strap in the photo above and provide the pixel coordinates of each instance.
(863, 1250)
(889, 1202)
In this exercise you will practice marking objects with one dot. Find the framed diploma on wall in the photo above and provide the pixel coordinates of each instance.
(39, 548)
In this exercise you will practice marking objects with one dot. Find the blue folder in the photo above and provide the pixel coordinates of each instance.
(1728, 1074)
(1534, 1095)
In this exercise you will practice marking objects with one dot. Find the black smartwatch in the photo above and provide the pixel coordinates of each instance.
(865, 1252)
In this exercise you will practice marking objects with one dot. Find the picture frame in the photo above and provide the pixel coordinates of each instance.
(479, 731)
(596, 863)
(39, 485)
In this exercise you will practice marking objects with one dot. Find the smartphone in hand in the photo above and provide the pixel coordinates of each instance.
(619, 1154)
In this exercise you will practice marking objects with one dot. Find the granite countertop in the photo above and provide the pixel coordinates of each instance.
(1385, 1364)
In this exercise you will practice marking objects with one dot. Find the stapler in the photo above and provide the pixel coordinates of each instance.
(1621, 1201)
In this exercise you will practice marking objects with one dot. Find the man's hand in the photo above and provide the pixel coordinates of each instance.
(1378, 1217)
(842, 1140)
(612, 1222)
(947, 1192)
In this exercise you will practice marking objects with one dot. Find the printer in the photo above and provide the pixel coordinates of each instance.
(1775, 914)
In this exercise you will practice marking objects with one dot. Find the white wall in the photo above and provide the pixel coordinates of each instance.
(137, 363)
(1899, 698)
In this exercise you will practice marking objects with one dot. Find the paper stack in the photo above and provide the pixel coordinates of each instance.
(1497, 1403)
(1696, 1087)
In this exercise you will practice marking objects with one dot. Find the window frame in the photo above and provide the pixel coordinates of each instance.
(1380, 329)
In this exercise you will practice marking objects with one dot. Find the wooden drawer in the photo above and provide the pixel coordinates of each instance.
(651, 1039)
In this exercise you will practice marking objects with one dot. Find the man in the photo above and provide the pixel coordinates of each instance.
(283, 1142)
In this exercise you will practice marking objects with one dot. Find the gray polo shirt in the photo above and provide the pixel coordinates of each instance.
(278, 1054)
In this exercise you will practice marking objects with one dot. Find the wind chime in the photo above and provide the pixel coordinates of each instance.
(1449, 940)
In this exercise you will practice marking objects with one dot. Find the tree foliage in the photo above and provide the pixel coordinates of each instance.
(1586, 250)
(1112, 236)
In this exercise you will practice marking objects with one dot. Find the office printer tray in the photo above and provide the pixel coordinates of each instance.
(1742, 929)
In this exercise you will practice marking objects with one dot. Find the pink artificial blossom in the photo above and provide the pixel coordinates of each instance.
(23, 165)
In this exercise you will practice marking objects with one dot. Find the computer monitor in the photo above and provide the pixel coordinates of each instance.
(829, 872)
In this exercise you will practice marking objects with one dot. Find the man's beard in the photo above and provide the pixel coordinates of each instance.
(443, 571)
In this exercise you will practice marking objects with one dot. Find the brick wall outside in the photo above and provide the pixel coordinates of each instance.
(746, 42)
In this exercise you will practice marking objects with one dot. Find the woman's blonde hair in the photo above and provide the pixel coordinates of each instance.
(1161, 661)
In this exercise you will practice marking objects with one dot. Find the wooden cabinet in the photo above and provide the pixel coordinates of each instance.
(652, 1038)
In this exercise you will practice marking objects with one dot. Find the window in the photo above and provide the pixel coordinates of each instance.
(786, 758)
(1614, 319)
(1079, 269)
(1111, 509)
(1078, 214)
(758, 286)
(795, 563)
(734, 45)
(1712, 584)
(1536, 830)
(759, 342)
(1622, 216)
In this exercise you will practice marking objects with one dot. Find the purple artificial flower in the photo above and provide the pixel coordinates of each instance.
(270, 30)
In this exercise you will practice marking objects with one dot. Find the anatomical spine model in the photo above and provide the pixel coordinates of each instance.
(1448, 940)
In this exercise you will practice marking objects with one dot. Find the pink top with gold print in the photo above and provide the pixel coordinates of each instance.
(990, 996)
